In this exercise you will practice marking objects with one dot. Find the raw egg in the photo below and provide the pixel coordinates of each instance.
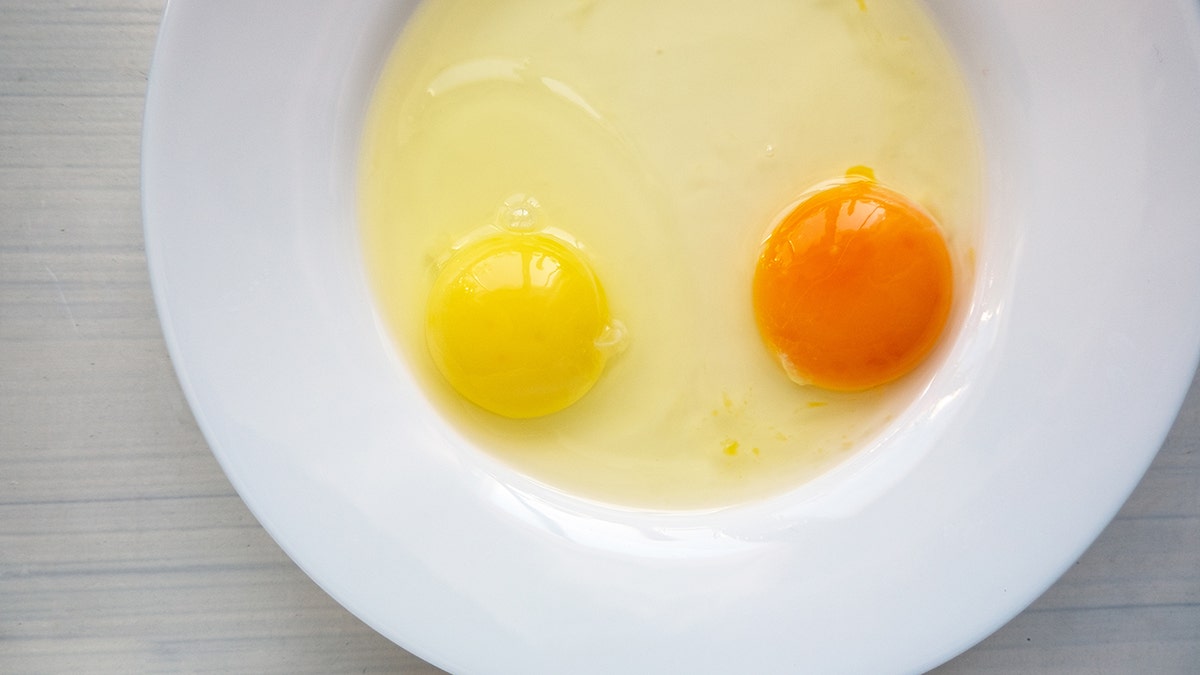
(563, 206)
(517, 322)
(853, 287)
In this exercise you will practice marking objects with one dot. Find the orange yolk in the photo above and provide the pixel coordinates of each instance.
(853, 287)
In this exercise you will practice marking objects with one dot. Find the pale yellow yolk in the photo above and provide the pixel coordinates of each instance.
(517, 323)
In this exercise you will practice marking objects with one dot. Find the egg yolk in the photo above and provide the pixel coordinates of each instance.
(518, 324)
(853, 287)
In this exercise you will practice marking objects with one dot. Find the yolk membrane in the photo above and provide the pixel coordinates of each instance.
(518, 324)
(853, 287)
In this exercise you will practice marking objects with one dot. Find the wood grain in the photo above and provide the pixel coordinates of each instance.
(124, 549)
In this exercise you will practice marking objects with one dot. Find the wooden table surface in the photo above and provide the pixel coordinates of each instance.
(123, 547)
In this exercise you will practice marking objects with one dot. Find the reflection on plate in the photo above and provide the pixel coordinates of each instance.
(1038, 423)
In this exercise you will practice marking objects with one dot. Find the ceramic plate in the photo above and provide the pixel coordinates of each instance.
(1077, 349)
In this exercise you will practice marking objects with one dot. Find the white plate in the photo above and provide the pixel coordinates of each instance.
(1080, 343)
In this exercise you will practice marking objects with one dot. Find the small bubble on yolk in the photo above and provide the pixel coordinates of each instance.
(853, 287)
(518, 324)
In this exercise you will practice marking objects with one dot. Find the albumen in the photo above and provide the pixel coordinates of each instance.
(661, 140)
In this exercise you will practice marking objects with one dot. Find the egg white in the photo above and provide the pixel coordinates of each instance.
(665, 138)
